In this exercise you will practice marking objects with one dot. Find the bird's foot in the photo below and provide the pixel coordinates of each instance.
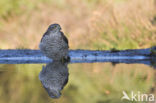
(65, 59)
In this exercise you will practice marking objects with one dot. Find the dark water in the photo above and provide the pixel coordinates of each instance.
(89, 79)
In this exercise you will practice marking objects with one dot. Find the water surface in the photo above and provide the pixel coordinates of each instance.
(83, 80)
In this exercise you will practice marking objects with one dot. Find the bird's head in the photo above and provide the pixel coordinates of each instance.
(53, 92)
(54, 28)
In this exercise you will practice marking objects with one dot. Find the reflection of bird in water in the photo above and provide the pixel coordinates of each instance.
(54, 43)
(54, 76)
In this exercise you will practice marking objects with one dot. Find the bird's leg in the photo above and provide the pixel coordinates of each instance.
(65, 59)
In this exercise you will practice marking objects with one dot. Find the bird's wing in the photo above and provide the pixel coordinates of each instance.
(64, 37)
(46, 33)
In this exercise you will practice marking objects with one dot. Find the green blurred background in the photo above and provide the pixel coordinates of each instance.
(88, 24)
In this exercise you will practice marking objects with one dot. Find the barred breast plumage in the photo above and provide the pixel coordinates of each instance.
(54, 44)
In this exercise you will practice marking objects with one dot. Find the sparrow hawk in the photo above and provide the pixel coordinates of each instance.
(54, 76)
(54, 43)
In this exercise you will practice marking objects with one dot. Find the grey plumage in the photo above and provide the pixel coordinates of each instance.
(54, 76)
(54, 43)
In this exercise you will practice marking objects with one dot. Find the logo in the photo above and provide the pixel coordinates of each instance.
(137, 96)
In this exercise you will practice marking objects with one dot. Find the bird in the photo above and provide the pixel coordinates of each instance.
(54, 44)
(54, 76)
